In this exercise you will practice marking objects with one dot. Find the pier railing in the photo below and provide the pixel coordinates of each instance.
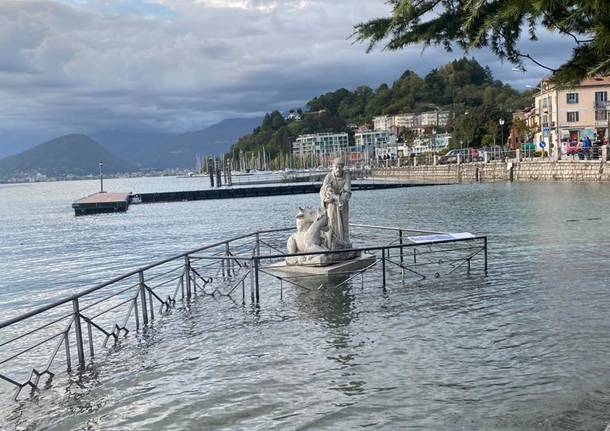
(68, 333)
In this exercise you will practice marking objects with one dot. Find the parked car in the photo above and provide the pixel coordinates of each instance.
(452, 156)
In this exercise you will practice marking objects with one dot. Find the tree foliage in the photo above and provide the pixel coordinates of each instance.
(499, 24)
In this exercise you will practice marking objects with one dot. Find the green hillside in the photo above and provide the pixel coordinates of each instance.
(75, 154)
(462, 86)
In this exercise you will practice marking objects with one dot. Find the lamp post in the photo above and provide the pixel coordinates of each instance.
(501, 122)
(101, 177)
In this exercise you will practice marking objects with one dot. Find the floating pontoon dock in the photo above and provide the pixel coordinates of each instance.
(102, 203)
(119, 202)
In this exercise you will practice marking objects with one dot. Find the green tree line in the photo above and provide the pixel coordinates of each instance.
(463, 86)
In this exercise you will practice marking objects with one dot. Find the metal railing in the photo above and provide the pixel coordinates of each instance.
(36, 345)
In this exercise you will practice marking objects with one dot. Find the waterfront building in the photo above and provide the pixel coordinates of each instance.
(408, 121)
(382, 122)
(434, 118)
(366, 142)
(573, 113)
(320, 145)
(431, 143)
(411, 121)
(523, 126)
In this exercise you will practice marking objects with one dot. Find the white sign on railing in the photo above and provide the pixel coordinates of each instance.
(440, 237)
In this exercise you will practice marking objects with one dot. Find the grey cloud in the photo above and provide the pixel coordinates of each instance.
(67, 68)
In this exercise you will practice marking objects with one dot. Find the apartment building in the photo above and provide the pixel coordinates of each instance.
(382, 122)
(320, 144)
(419, 122)
(408, 121)
(368, 143)
(371, 139)
(570, 114)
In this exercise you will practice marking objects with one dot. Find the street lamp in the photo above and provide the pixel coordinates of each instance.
(501, 121)
(101, 177)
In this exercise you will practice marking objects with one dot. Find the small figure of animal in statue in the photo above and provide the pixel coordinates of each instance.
(309, 238)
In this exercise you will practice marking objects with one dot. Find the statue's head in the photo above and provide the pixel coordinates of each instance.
(338, 166)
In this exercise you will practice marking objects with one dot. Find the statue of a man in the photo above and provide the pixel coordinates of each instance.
(335, 194)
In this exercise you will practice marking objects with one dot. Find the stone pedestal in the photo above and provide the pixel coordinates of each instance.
(351, 265)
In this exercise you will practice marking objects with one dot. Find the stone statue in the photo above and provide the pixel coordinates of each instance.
(328, 229)
(335, 194)
(308, 238)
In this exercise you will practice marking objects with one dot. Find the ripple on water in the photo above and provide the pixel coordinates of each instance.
(524, 348)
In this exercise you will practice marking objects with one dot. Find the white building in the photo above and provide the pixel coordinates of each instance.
(293, 115)
(412, 121)
(408, 121)
(371, 139)
(443, 118)
(383, 122)
(320, 144)
(368, 143)
(431, 144)
(434, 118)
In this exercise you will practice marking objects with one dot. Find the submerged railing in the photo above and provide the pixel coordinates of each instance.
(38, 344)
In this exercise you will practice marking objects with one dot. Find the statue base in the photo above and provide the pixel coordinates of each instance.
(351, 265)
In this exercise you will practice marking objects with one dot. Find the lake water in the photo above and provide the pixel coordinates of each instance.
(527, 347)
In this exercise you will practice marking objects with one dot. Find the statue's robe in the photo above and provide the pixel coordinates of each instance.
(334, 198)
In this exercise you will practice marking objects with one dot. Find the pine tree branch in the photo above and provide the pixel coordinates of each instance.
(529, 57)
(564, 31)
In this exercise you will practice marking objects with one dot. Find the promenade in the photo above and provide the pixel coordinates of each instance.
(505, 170)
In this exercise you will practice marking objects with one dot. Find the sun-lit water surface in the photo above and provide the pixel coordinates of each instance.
(525, 348)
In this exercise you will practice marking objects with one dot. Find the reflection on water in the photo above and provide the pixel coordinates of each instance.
(525, 348)
(326, 299)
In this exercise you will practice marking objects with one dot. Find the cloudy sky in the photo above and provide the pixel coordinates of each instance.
(178, 65)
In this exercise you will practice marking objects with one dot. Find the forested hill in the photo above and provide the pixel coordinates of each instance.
(462, 86)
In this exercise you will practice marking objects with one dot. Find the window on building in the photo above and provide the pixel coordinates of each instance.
(572, 117)
(572, 98)
(601, 115)
(601, 96)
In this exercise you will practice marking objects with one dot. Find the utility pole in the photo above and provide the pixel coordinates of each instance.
(101, 177)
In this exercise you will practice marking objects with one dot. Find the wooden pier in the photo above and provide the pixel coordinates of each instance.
(119, 202)
(102, 203)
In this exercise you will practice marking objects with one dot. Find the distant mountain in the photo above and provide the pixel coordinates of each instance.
(76, 154)
(149, 150)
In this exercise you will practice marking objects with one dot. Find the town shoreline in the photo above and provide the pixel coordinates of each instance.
(525, 170)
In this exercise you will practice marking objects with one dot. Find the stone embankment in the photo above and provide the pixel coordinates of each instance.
(510, 170)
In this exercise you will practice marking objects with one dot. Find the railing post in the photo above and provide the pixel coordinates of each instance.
(485, 253)
(252, 280)
(143, 299)
(187, 275)
(383, 266)
(222, 266)
(229, 261)
(402, 258)
(68, 355)
(80, 349)
(256, 278)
